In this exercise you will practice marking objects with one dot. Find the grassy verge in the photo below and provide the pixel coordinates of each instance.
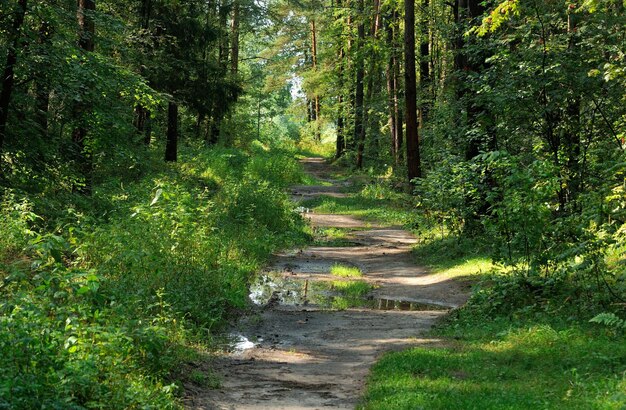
(505, 363)
(514, 346)
(103, 297)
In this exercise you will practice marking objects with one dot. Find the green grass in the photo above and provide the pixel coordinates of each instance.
(344, 271)
(454, 257)
(523, 367)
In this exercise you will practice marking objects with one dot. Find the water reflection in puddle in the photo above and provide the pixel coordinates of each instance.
(241, 343)
(273, 288)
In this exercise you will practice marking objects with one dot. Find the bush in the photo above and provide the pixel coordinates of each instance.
(103, 298)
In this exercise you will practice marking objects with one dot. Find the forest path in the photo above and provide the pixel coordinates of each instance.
(295, 352)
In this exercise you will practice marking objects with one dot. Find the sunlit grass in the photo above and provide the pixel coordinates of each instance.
(533, 367)
(344, 271)
(454, 257)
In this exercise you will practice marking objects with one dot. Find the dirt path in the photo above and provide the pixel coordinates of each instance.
(294, 354)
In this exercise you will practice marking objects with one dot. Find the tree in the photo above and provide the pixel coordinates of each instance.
(86, 42)
(359, 125)
(410, 84)
(8, 77)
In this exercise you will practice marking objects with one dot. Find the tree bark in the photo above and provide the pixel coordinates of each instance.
(397, 85)
(8, 78)
(171, 146)
(224, 11)
(359, 128)
(571, 136)
(42, 84)
(142, 114)
(86, 42)
(316, 99)
(424, 65)
(391, 91)
(341, 143)
(234, 49)
(410, 83)
(373, 56)
(341, 126)
(148, 128)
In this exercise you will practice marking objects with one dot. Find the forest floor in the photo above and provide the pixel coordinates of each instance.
(326, 313)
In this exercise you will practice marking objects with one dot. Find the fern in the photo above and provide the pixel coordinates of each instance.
(609, 320)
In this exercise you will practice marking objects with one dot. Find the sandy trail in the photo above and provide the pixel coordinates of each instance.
(302, 356)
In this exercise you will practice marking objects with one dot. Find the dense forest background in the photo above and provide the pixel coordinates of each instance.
(145, 147)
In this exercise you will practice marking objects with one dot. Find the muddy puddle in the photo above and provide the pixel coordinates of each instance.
(272, 289)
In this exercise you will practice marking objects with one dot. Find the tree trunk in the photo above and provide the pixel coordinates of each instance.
(8, 78)
(390, 89)
(424, 65)
(410, 84)
(42, 84)
(316, 99)
(392, 83)
(341, 126)
(171, 147)
(86, 42)
(571, 137)
(397, 86)
(142, 114)
(234, 49)
(148, 128)
(359, 128)
(341, 143)
(372, 70)
(224, 11)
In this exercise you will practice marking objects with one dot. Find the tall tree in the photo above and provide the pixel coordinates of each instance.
(234, 48)
(414, 169)
(86, 42)
(359, 126)
(8, 77)
(424, 63)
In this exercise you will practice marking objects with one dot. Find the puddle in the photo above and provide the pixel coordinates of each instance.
(405, 305)
(240, 343)
(287, 291)
(272, 288)
(311, 265)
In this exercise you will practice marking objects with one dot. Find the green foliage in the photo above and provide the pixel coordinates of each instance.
(104, 300)
(609, 320)
(16, 218)
(65, 343)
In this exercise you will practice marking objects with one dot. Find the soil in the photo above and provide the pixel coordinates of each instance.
(293, 354)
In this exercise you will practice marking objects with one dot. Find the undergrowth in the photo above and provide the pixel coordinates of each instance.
(547, 339)
(104, 297)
